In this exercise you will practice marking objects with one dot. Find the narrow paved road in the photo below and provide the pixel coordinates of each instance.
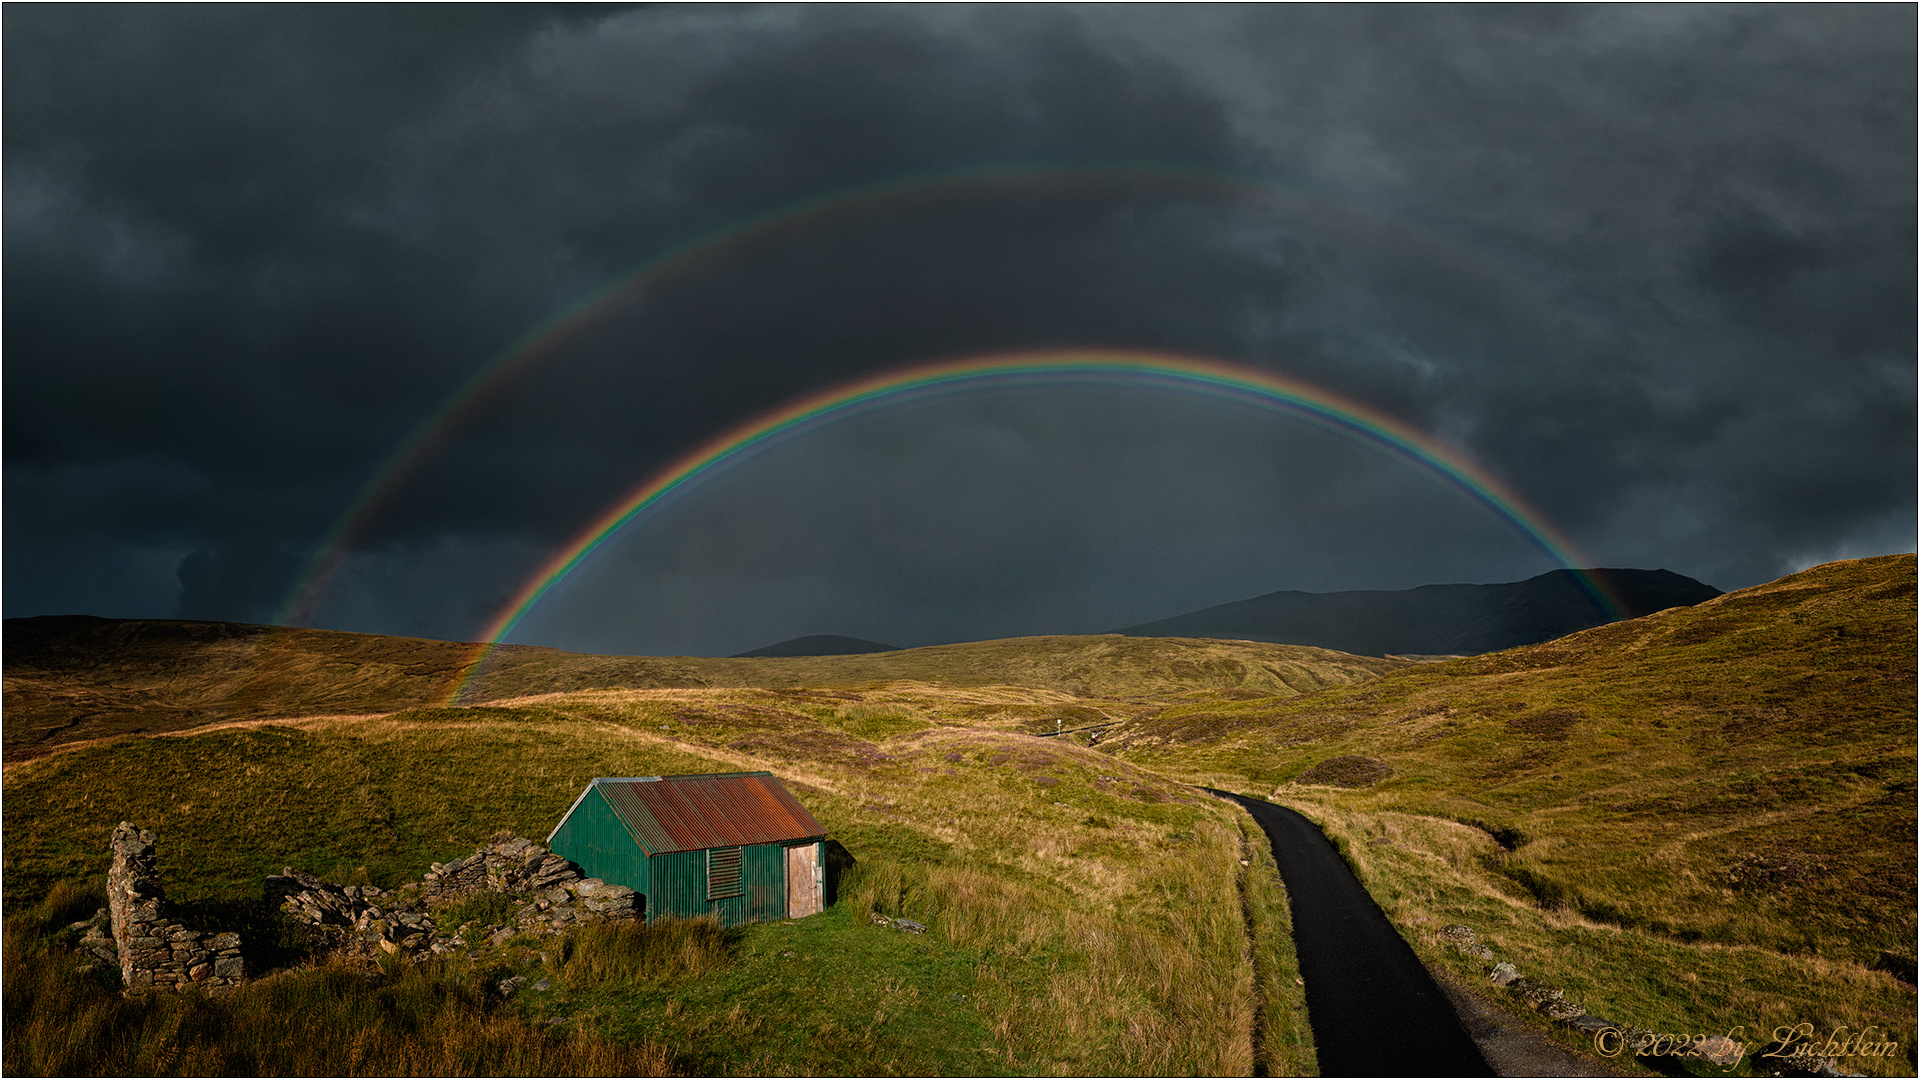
(1374, 1009)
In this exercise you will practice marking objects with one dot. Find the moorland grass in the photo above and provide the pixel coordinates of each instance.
(1694, 820)
(1703, 817)
(666, 950)
(1282, 1037)
(65, 1017)
(76, 680)
(1086, 915)
(1098, 665)
(1159, 982)
(1429, 873)
(374, 801)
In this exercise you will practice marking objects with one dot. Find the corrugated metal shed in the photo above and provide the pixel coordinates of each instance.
(736, 846)
(693, 813)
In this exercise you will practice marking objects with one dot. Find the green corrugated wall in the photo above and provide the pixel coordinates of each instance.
(680, 891)
(595, 838)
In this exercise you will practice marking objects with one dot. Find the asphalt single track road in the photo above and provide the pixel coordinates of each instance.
(1374, 1009)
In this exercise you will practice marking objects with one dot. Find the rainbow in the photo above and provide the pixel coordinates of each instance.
(1187, 374)
(437, 428)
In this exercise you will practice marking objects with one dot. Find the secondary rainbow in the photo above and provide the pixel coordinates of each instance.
(1186, 374)
(433, 431)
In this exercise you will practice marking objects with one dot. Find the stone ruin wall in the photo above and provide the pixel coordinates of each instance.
(155, 948)
(549, 894)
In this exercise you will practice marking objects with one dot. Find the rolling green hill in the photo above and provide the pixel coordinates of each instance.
(73, 678)
(1691, 821)
(1733, 780)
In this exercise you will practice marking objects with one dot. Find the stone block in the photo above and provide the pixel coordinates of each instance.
(1561, 1009)
(199, 972)
(1719, 1050)
(230, 967)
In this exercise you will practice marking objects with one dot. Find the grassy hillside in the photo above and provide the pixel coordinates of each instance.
(75, 679)
(1704, 816)
(1087, 916)
(1103, 665)
(1696, 821)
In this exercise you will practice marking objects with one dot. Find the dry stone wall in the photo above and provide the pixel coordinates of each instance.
(1551, 1002)
(154, 947)
(543, 894)
(546, 894)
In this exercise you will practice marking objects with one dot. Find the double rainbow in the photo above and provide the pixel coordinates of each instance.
(738, 237)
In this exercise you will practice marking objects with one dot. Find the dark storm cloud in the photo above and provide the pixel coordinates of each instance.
(1652, 266)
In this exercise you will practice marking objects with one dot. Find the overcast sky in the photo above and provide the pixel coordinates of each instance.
(1651, 267)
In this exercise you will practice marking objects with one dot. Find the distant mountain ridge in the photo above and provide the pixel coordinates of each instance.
(1436, 619)
(819, 645)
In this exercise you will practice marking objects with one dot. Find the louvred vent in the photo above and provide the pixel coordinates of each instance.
(723, 873)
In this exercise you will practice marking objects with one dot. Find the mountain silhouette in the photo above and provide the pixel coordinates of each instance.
(1437, 619)
(819, 645)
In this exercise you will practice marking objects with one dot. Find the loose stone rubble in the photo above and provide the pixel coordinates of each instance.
(153, 948)
(359, 920)
(1551, 1002)
(905, 926)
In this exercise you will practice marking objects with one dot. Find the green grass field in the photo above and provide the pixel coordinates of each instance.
(1087, 916)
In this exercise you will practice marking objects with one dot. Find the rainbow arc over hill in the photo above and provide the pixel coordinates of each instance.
(1086, 367)
(741, 238)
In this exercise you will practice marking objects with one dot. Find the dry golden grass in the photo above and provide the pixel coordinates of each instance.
(1428, 873)
(75, 679)
(1102, 904)
(1159, 984)
(662, 951)
(1100, 665)
(1709, 812)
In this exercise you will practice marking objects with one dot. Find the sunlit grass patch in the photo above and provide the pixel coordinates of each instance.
(330, 1020)
(664, 950)
(879, 720)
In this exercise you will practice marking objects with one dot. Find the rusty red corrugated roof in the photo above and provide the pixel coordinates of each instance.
(691, 813)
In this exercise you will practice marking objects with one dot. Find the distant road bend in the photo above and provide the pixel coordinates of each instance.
(1374, 1009)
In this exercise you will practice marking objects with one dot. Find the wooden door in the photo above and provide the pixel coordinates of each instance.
(805, 881)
